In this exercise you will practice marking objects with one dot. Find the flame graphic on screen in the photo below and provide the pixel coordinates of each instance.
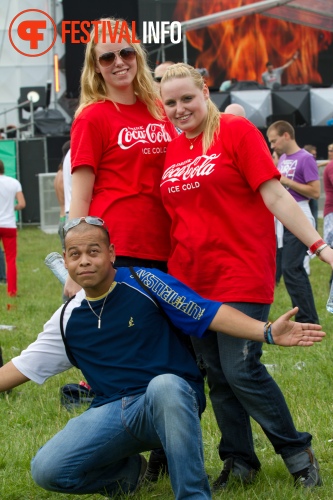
(241, 47)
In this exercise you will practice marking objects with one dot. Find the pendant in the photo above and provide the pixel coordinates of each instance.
(99, 323)
(191, 147)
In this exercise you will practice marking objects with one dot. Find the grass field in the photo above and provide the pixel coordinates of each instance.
(31, 414)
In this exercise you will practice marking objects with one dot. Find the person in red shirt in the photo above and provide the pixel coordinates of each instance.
(11, 200)
(118, 144)
(222, 190)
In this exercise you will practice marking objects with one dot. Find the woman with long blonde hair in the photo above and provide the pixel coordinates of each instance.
(118, 143)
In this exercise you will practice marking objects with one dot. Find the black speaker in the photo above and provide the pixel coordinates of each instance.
(54, 150)
(31, 161)
(287, 102)
(37, 95)
(247, 85)
(295, 86)
(220, 99)
(48, 94)
(291, 118)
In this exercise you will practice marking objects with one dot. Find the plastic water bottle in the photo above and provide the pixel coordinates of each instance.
(329, 305)
(56, 263)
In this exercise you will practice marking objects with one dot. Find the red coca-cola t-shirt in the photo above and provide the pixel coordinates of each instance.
(222, 234)
(126, 147)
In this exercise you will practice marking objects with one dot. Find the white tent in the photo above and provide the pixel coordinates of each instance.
(17, 70)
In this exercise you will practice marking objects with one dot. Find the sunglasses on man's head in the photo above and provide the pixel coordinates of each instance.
(94, 221)
(108, 58)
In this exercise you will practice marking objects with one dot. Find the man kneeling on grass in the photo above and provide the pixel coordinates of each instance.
(149, 391)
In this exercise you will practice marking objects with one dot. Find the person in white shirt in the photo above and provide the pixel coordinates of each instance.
(10, 191)
(67, 178)
(272, 78)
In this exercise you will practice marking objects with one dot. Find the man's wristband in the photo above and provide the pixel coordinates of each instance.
(268, 333)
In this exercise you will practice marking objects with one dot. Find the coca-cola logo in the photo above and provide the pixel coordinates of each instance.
(200, 166)
(153, 133)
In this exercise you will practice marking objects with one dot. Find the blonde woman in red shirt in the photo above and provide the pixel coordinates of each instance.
(222, 190)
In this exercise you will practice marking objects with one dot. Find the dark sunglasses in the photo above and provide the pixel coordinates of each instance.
(157, 79)
(94, 221)
(109, 57)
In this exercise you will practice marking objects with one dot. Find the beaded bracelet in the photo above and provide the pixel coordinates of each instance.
(268, 333)
(318, 251)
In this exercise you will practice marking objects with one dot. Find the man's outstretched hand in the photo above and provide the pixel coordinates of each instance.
(291, 333)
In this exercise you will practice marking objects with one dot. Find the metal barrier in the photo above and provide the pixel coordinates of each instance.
(30, 123)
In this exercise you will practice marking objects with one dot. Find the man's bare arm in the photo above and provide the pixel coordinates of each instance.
(11, 377)
(284, 332)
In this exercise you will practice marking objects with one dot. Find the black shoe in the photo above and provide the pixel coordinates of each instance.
(308, 477)
(244, 474)
(142, 475)
(222, 481)
(157, 465)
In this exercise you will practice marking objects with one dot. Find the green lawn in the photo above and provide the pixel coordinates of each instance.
(31, 414)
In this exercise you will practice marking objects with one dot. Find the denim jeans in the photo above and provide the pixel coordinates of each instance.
(296, 280)
(240, 386)
(2, 266)
(98, 452)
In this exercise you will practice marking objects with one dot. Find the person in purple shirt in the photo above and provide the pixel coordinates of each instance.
(328, 207)
(299, 174)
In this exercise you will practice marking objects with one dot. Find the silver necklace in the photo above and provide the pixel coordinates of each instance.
(99, 316)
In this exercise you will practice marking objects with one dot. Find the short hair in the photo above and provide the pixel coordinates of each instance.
(166, 63)
(65, 148)
(309, 147)
(281, 128)
(235, 109)
(83, 226)
(2, 167)
(269, 63)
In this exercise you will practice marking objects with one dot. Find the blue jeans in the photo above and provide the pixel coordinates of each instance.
(296, 280)
(240, 386)
(98, 452)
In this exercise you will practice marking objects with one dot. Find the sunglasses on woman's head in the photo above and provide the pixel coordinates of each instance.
(108, 58)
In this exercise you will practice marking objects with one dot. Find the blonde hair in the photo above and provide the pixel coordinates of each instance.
(93, 87)
(212, 123)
